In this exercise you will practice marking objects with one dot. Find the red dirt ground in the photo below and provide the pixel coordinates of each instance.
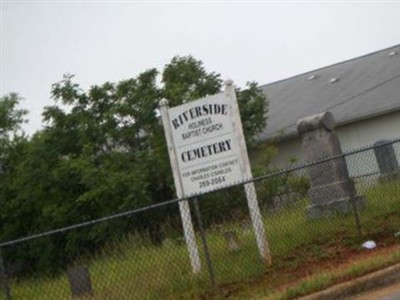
(336, 257)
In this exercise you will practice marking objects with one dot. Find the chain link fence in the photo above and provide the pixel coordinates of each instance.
(305, 222)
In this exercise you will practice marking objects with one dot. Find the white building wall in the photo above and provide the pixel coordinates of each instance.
(367, 132)
(351, 136)
(364, 133)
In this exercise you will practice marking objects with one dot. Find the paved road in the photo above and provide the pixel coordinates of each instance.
(391, 292)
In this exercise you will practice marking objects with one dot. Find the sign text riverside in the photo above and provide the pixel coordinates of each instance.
(198, 111)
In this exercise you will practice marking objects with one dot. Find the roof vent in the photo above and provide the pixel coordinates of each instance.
(333, 80)
(312, 77)
(393, 53)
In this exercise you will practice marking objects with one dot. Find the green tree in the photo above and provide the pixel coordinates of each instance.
(11, 118)
(103, 151)
(185, 79)
(12, 143)
(253, 108)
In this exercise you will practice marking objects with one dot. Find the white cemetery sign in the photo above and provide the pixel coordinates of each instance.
(205, 144)
(207, 152)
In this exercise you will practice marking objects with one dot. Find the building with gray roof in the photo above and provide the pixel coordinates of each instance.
(363, 94)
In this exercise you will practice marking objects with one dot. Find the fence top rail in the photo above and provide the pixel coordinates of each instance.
(88, 223)
(114, 216)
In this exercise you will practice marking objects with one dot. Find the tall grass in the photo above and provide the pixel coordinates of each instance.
(136, 269)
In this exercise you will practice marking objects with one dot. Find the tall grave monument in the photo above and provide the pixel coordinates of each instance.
(331, 190)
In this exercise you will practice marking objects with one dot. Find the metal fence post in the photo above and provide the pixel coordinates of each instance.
(355, 212)
(183, 205)
(249, 188)
(204, 242)
(3, 279)
(357, 218)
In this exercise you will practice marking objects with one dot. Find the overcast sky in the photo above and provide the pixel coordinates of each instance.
(261, 41)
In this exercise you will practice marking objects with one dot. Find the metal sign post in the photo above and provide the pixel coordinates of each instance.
(184, 208)
(249, 188)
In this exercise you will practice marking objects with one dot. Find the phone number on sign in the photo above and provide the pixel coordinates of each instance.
(212, 181)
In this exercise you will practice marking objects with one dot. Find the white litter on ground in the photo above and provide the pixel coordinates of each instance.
(369, 245)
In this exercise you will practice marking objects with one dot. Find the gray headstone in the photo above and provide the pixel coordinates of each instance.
(80, 283)
(232, 241)
(4, 287)
(331, 188)
(387, 161)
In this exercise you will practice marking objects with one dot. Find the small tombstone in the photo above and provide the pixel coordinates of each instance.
(286, 199)
(331, 190)
(4, 287)
(387, 161)
(232, 241)
(80, 283)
